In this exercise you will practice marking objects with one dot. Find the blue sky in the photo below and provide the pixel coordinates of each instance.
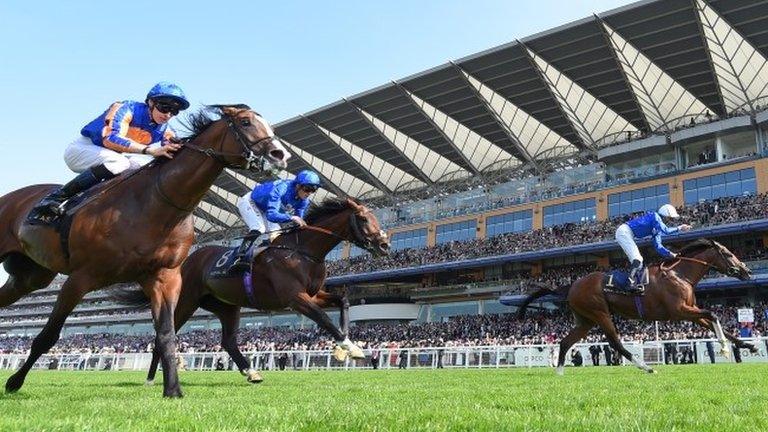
(63, 63)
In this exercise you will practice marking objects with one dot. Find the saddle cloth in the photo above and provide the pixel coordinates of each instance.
(220, 268)
(618, 280)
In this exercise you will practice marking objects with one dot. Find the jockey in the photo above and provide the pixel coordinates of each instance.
(128, 132)
(273, 203)
(649, 224)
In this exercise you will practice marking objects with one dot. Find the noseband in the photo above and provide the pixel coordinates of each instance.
(250, 159)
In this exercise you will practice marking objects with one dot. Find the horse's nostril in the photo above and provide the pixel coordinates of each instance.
(277, 155)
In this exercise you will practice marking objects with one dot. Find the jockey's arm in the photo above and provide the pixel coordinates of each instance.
(115, 135)
(663, 228)
(660, 249)
(273, 213)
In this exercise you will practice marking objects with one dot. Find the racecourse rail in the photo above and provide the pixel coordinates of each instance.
(493, 356)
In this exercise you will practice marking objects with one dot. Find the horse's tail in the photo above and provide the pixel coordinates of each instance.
(560, 291)
(129, 295)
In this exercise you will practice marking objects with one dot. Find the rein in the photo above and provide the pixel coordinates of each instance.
(680, 259)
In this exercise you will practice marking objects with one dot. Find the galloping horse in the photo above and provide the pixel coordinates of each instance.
(289, 273)
(137, 227)
(669, 296)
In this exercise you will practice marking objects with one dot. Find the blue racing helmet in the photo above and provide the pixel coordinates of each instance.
(308, 178)
(169, 90)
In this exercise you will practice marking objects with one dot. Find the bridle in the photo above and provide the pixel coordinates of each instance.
(357, 238)
(732, 271)
(249, 159)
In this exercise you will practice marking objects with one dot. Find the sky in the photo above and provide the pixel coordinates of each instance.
(63, 63)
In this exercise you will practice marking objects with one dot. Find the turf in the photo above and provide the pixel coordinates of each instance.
(696, 398)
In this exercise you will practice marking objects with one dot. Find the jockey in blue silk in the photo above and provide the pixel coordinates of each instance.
(649, 224)
(273, 203)
(127, 134)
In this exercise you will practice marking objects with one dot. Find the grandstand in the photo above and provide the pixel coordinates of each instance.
(516, 164)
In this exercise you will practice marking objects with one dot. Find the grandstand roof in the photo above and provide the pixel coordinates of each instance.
(645, 68)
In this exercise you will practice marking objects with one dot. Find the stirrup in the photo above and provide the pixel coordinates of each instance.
(240, 264)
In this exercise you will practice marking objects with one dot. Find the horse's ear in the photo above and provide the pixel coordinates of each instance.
(353, 204)
(230, 111)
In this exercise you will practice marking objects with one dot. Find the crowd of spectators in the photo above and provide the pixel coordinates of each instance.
(715, 212)
(464, 330)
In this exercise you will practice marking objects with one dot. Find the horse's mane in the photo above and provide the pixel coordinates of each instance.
(198, 122)
(329, 207)
(696, 246)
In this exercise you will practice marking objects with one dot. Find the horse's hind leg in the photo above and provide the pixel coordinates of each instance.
(24, 276)
(229, 316)
(307, 306)
(70, 295)
(576, 334)
(606, 323)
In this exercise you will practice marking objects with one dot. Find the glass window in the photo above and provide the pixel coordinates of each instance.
(409, 239)
(570, 212)
(457, 231)
(521, 221)
(733, 183)
(644, 199)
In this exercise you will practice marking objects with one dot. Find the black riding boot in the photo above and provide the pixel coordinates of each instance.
(241, 259)
(85, 180)
(635, 277)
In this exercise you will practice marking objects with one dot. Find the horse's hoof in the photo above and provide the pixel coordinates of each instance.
(13, 384)
(149, 382)
(339, 353)
(560, 371)
(356, 353)
(651, 371)
(254, 377)
(752, 349)
(173, 394)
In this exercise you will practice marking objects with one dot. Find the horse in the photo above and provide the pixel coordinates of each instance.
(289, 273)
(669, 296)
(137, 227)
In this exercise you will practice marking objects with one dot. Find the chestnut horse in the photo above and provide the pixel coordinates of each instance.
(137, 227)
(668, 296)
(290, 273)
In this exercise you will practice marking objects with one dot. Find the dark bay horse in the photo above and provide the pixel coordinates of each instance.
(135, 228)
(669, 296)
(290, 273)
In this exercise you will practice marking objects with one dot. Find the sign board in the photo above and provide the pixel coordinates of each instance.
(746, 315)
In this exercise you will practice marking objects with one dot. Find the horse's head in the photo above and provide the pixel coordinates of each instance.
(726, 262)
(248, 141)
(718, 257)
(366, 231)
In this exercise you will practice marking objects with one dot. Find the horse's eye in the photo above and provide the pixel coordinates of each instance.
(245, 122)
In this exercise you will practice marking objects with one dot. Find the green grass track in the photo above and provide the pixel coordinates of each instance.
(678, 398)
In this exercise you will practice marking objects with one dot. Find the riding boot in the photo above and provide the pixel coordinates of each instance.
(52, 203)
(241, 259)
(635, 277)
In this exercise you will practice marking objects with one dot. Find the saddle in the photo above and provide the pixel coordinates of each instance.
(617, 281)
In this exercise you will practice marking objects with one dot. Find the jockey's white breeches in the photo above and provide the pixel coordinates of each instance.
(626, 239)
(253, 217)
(82, 154)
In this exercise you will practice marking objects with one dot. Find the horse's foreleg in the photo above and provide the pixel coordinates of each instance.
(325, 299)
(306, 305)
(693, 313)
(736, 341)
(24, 276)
(70, 295)
(163, 291)
(153, 367)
